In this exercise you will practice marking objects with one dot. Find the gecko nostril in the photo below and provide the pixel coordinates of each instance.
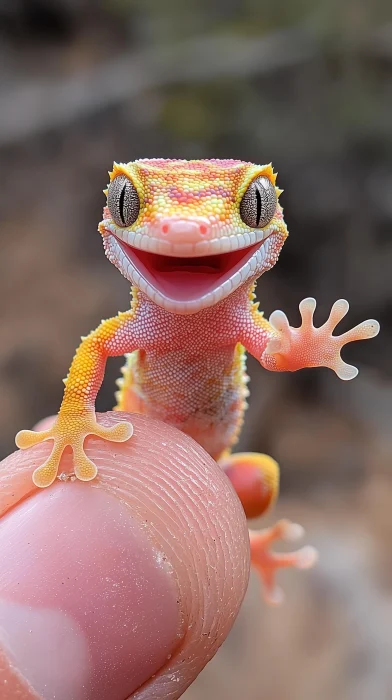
(181, 230)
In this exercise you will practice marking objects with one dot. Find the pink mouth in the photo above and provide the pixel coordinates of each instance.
(187, 279)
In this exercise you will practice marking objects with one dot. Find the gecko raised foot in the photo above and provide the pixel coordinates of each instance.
(70, 431)
(267, 563)
(308, 346)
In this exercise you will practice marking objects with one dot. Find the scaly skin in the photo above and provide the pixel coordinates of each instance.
(180, 233)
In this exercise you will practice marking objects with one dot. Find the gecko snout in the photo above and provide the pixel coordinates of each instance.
(183, 230)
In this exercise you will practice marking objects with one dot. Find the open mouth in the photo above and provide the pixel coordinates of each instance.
(187, 280)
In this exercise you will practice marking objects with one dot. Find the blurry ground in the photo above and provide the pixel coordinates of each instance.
(305, 84)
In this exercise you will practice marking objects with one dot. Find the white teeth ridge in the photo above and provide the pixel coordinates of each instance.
(224, 244)
(247, 239)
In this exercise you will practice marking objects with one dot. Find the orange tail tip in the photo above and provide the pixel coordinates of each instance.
(267, 563)
(255, 478)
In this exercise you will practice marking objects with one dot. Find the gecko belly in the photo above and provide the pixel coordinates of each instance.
(174, 387)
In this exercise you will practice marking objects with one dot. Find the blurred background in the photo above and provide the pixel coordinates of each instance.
(306, 84)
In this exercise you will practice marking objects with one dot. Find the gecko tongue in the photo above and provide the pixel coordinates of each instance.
(187, 279)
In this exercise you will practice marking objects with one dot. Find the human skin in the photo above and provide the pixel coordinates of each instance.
(121, 587)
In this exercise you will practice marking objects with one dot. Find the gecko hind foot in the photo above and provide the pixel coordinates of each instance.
(267, 563)
(70, 431)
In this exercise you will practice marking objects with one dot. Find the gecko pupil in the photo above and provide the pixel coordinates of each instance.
(121, 203)
(258, 205)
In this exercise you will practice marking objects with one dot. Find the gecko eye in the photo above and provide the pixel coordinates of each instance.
(259, 202)
(123, 201)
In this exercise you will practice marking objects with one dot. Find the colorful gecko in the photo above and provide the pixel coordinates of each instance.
(192, 237)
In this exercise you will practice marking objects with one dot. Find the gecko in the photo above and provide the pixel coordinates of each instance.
(192, 238)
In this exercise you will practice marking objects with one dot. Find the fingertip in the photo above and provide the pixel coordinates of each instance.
(279, 320)
(341, 305)
(274, 597)
(346, 372)
(308, 304)
(307, 557)
(184, 504)
(373, 328)
(293, 532)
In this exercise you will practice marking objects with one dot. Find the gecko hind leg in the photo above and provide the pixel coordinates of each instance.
(255, 478)
(127, 397)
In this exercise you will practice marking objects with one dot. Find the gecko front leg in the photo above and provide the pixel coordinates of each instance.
(76, 418)
(280, 347)
(291, 348)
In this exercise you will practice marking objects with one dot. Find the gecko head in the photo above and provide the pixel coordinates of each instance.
(190, 233)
